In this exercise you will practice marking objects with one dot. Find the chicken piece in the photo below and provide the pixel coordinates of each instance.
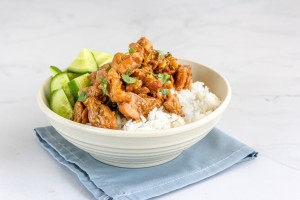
(133, 109)
(141, 72)
(150, 104)
(80, 113)
(143, 46)
(115, 92)
(139, 105)
(100, 115)
(152, 83)
(183, 78)
(142, 90)
(95, 91)
(168, 84)
(167, 65)
(123, 63)
(172, 64)
(92, 77)
(92, 90)
(137, 88)
(134, 86)
(146, 44)
(172, 104)
(99, 75)
(102, 72)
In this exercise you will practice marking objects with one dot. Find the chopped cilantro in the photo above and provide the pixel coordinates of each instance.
(165, 92)
(83, 96)
(108, 68)
(104, 85)
(132, 50)
(163, 77)
(127, 79)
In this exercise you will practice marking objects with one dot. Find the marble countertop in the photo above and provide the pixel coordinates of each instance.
(254, 44)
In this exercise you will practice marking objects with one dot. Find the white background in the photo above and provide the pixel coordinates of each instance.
(254, 44)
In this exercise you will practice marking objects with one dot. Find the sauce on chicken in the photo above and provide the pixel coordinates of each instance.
(133, 84)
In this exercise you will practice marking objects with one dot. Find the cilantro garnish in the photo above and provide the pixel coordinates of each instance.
(108, 68)
(165, 92)
(83, 96)
(104, 85)
(132, 50)
(163, 77)
(127, 79)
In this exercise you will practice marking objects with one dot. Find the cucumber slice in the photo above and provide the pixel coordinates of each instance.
(72, 75)
(60, 104)
(68, 94)
(79, 83)
(54, 70)
(58, 81)
(83, 63)
(102, 58)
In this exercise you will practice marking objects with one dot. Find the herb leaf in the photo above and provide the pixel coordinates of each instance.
(131, 50)
(163, 77)
(127, 79)
(165, 92)
(104, 85)
(83, 96)
(108, 68)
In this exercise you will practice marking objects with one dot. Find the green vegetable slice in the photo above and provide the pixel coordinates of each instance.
(73, 75)
(58, 81)
(79, 83)
(102, 58)
(54, 70)
(68, 93)
(60, 104)
(83, 63)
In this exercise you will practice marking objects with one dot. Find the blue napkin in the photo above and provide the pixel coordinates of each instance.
(216, 152)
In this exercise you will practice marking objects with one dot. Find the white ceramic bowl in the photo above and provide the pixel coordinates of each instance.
(136, 149)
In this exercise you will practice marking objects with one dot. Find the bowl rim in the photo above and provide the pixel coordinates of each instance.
(137, 133)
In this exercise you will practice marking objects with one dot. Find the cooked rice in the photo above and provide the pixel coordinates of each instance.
(196, 103)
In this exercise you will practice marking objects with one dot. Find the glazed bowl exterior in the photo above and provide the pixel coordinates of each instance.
(136, 149)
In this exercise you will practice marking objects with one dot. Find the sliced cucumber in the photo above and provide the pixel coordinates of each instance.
(102, 58)
(73, 75)
(54, 70)
(79, 83)
(68, 94)
(60, 104)
(83, 63)
(58, 81)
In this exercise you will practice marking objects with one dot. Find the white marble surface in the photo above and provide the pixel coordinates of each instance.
(255, 44)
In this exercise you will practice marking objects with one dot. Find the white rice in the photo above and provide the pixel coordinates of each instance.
(196, 103)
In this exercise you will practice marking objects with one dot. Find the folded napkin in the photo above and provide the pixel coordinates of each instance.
(216, 152)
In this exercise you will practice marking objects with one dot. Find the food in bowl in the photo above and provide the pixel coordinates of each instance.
(140, 148)
(144, 89)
